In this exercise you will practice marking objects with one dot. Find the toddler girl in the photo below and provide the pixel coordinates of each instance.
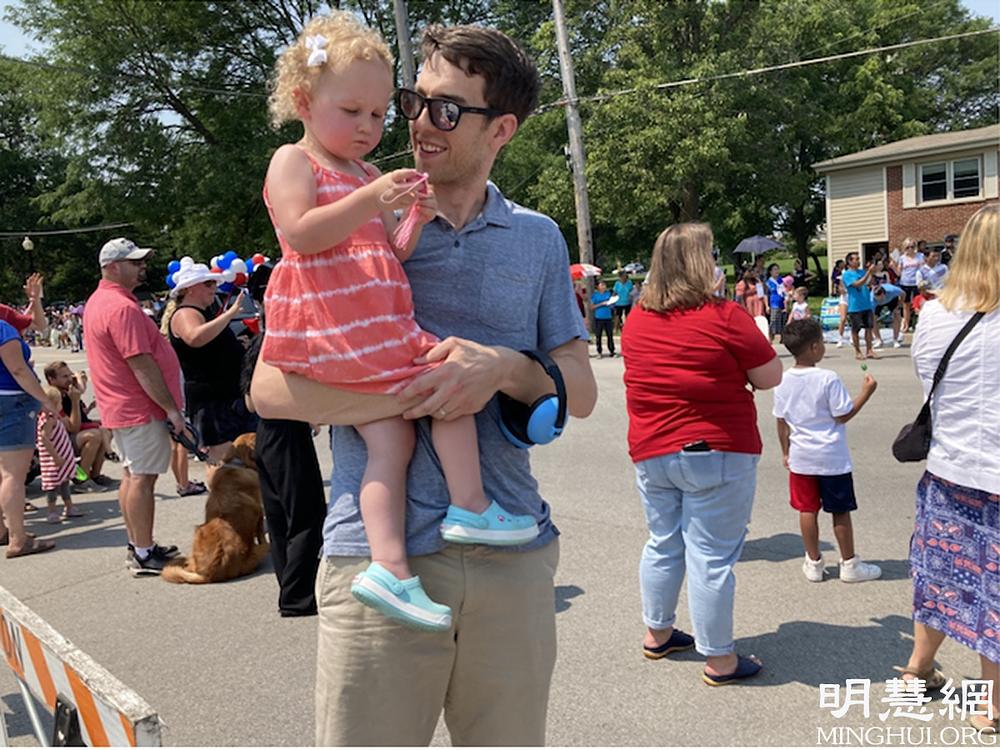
(55, 454)
(339, 307)
(800, 306)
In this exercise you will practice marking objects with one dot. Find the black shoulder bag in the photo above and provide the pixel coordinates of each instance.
(913, 442)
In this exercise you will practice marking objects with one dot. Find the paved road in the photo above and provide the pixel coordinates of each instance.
(223, 669)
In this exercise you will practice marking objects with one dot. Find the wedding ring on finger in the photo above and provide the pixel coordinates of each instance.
(442, 413)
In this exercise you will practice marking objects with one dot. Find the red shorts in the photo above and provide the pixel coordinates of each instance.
(834, 494)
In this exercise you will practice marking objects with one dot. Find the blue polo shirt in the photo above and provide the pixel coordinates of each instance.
(604, 311)
(859, 298)
(503, 279)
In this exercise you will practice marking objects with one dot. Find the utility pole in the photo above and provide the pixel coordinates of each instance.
(584, 237)
(406, 67)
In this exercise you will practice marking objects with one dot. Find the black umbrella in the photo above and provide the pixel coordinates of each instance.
(756, 245)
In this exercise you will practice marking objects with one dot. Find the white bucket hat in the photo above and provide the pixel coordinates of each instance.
(192, 275)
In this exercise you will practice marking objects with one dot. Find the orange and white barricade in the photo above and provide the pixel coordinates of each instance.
(88, 703)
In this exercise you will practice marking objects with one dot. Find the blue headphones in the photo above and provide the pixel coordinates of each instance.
(541, 422)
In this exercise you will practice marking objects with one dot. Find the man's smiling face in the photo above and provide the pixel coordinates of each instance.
(462, 155)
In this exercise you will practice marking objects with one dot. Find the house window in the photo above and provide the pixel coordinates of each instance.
(965, 178)
(933, 182)
(950, 180)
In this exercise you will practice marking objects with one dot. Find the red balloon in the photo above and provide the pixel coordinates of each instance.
(258, 258)
(215, 269)
(240, 280)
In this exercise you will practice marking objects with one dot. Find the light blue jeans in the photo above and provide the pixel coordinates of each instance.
(697, 508)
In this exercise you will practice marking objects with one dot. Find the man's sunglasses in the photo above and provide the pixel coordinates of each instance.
(444, 113)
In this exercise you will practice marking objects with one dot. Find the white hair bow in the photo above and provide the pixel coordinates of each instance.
(317, 52)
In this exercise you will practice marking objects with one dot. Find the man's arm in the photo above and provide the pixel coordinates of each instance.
(75, 416)
(472, 373)
(468, 377)
(151, 380)
(864, 279)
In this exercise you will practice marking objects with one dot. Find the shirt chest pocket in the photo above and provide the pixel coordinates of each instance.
(507, 302)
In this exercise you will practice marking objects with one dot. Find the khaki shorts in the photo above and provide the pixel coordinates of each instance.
(144, 449)
(381, 683)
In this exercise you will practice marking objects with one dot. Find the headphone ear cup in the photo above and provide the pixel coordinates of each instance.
(541, 427)
(514, 418)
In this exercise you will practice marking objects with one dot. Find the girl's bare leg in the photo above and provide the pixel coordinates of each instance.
(390, 444)
(458, 450)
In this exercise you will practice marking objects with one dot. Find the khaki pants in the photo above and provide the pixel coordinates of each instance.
(381, 683)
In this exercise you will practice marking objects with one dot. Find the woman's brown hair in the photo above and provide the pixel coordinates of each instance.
(682, 271)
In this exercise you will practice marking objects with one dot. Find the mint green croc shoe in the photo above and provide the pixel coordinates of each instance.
(404, 601)
(493, 526)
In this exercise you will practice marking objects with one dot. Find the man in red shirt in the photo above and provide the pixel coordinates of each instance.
(136, 380)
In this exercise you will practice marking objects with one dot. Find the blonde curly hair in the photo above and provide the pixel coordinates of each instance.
(347, 39)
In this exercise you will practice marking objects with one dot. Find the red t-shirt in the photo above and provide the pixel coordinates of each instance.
(686, 379)
(19, 320)
(114, 329)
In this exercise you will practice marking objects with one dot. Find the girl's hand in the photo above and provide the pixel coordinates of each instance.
(428, 206)
(396, 189)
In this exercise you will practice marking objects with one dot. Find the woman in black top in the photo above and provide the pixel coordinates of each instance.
(211, 359)
(801, 275)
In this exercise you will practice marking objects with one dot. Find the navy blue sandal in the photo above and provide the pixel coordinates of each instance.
(746, 667)
(678, 641)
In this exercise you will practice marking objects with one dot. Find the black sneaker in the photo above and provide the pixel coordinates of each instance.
(148, 566)
(103, 481)
(158, 550)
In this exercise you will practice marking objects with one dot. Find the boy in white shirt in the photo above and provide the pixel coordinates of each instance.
(812, 406)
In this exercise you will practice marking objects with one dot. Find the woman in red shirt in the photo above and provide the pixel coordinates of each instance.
(690, 358)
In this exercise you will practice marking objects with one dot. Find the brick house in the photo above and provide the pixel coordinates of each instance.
(924, 188)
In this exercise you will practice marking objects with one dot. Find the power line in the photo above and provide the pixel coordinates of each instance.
(859, 32)
(130, 76)
(49, 232)
(769, 69)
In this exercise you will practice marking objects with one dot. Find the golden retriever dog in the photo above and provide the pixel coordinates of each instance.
(231, 542)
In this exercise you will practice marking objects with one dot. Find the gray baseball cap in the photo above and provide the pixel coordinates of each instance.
(122, 249)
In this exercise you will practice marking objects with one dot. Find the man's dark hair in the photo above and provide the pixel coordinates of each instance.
(52, 368)
(512, 82)
(847, 258)
(799, 335)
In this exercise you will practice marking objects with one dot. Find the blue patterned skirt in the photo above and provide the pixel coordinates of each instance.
(955, 563)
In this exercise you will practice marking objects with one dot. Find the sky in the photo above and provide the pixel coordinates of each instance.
(14, 43)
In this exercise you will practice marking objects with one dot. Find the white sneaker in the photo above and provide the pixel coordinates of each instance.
(897, 344)
(855, 571)
(814, 569)
(840, 343)
(877, 343)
